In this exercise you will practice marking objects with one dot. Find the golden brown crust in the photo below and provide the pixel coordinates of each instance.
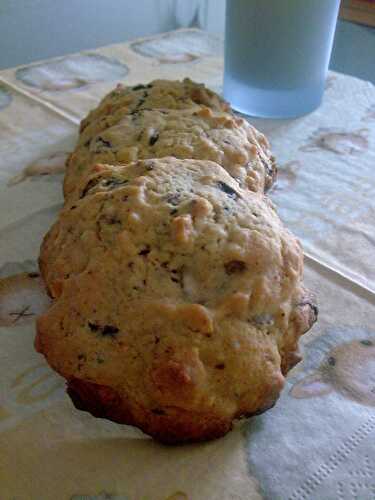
(171, 426)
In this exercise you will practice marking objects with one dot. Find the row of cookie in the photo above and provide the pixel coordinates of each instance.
(163, 118)
(177, 292)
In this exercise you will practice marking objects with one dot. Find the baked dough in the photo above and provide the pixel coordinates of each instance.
(197, 133)
(158, 94)
(178, 298)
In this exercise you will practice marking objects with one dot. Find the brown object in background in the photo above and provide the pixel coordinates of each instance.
(358, 11)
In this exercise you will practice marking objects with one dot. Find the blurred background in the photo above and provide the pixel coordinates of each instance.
(31, 30)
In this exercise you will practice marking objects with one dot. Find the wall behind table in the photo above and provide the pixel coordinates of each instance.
(37, 29)
(31, 30)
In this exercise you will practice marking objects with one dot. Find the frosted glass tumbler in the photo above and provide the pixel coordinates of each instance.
(277, 54)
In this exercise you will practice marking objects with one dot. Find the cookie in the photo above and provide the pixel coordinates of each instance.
(158, 94)
(178, 298)
(197, 133)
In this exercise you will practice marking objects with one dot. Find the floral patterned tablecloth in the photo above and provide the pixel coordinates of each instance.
(317, 443)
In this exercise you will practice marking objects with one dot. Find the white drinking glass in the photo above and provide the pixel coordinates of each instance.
(277, 54)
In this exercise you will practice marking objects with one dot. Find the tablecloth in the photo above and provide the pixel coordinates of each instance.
(317, 443)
